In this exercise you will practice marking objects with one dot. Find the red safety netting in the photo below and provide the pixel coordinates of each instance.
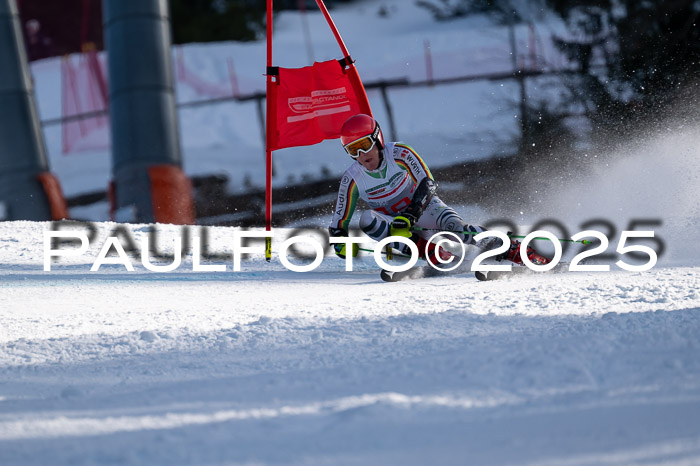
(84, 92)
(186, 75)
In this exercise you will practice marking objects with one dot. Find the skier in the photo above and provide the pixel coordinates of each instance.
(400, 190)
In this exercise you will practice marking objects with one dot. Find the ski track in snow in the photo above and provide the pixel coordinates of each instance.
(332, 367)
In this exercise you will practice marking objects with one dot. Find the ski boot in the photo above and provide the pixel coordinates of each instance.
(433, 252)
(513, 255)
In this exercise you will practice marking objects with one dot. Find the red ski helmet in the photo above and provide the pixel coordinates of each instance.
(359, 133)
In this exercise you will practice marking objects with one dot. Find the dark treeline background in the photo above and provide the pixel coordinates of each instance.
(636, 63)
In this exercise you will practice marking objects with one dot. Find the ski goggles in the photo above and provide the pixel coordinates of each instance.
(364, 144)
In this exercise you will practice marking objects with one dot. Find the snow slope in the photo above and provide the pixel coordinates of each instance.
(268, 366)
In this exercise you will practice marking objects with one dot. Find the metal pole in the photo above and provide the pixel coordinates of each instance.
(27, 190)
(146, 162)
(428, 61)
(389, 112)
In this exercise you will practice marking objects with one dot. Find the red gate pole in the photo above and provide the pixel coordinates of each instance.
(271, 125)
(330, 22)
(349, 67)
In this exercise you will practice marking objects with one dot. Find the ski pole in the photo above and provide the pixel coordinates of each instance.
(562, 240)
(384, 252)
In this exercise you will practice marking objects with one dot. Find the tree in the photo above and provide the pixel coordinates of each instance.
(634, 57)
(221, 20)
(502, 11)
(217, 20)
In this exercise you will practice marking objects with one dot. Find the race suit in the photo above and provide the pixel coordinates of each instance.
(388, 190)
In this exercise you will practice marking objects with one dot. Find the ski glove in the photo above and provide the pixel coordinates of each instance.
(402, 224)
(340, 248)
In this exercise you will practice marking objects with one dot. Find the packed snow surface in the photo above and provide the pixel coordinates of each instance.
(271, 366)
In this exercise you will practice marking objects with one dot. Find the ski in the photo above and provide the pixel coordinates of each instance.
(517, 271)
(423, 271)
